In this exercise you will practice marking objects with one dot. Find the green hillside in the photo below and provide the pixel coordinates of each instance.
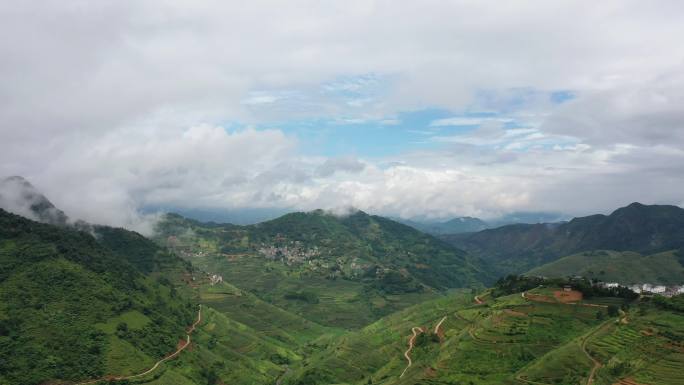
(614, 266)
(69, 306)
(507, 340)
(75, 307)
(513, 249)
(336, 271)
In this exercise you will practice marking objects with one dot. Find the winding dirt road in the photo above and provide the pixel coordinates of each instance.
(597, 363)
(439, 324)
(417, 330)
(408, 351)
(156, 365)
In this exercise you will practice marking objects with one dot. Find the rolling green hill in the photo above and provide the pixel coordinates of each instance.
(75, 307)
(625, 267)
(506, 340)
(337, 271)
(518, 248)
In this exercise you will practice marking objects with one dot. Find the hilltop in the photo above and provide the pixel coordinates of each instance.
(636, 227)
(21, 197)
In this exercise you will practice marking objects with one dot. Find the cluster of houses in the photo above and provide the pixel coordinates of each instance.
(294, 253)
(647, 288)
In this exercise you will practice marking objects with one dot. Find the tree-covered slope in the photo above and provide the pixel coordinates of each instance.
(68, 303)
(517, 248)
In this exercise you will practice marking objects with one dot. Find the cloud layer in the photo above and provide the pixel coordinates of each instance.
(114, 106)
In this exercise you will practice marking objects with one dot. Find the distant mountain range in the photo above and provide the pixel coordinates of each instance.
(470, 225)
(520, 247)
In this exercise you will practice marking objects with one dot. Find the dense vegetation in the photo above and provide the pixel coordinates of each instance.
(338, 271)
(521, 247)
(56, 286)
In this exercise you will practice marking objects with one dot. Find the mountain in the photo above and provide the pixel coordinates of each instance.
(19, 196)
(624, 267)
(528, 217)
(452, 226)
(62, 295)
(460, 225)
(336, 270)
(518, 248)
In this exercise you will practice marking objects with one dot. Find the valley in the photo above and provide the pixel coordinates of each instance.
(315, 298)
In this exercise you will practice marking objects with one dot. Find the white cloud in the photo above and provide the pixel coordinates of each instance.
(113, 106)
(467, 121)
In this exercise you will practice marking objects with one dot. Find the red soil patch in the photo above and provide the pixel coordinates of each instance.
(430, 372)
(567, 296)
(180, 344)
(539, 298)
(440, 334)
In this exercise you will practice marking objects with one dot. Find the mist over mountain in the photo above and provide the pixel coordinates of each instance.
(19, 196)
(470, 225)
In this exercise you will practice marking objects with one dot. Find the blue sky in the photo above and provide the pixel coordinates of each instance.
(356, 126)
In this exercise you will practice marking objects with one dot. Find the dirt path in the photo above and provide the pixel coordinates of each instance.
(597, 363)
(478, 300)
(408, 351)
(156, 365)
(439, 324)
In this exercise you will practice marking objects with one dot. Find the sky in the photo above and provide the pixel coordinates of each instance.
(409, 109)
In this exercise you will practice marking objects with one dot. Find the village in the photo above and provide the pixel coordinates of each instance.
(650, 289)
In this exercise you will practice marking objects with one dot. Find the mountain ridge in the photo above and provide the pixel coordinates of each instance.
(635, 227)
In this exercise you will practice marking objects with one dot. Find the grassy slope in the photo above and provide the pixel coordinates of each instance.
(614, 266)
(506, 341)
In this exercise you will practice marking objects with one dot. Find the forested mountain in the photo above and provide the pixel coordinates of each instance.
(21, 197)
(65, 299)
(518, 248)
